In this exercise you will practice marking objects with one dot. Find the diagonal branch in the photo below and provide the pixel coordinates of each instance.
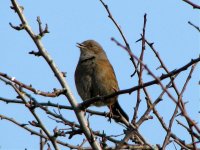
(80, 114)
(121, 33)
(195, 26)
(195, 6)
(88, 102)
(113, 20)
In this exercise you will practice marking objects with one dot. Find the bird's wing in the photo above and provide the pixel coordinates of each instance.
(83, 81)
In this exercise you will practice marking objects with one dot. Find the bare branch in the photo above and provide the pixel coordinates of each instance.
(55, 93)
(140, 82)
(196, 27)
(195, 6)
(166, 141)
(59, 76)
(88, 102)
(184, 112)
(41, 31)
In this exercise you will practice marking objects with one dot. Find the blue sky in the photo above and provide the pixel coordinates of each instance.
(75, 21)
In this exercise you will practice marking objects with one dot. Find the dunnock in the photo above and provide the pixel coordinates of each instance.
(94, 76)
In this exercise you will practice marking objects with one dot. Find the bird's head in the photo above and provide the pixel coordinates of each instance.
(90, 48)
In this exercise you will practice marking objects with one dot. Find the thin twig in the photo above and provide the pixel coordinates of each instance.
(121, 33)
(140, 82)
(196, 27)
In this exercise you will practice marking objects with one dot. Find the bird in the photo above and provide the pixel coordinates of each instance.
(95, 76)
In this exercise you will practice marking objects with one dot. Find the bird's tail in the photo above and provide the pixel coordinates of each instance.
(118, 111)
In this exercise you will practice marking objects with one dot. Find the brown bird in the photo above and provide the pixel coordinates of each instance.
(94, 76)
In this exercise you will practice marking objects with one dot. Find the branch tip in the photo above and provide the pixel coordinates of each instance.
(38, 54)
(18, 28)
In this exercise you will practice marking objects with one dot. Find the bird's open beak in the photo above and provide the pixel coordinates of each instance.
(79, 45)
